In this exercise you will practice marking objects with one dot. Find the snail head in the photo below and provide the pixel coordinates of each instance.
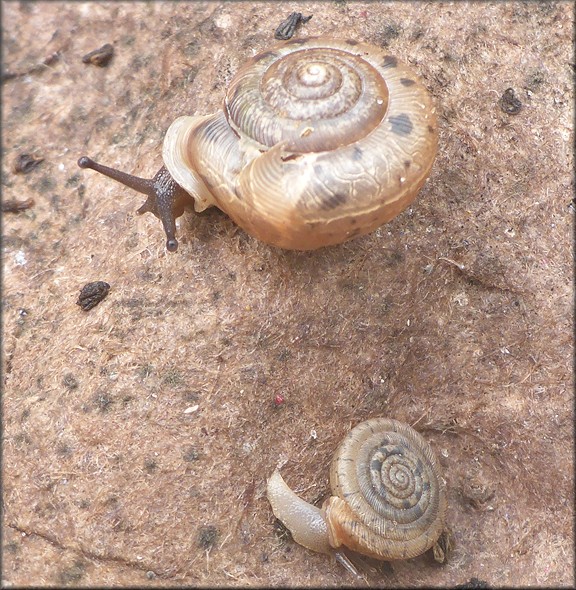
(166, 198)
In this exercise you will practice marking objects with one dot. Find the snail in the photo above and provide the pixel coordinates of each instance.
(319, 141)
(388, 502)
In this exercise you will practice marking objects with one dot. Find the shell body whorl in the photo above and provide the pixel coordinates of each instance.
(320, 140)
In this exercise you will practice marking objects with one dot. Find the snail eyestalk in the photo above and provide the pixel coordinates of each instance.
(166, 198)
(345, 562)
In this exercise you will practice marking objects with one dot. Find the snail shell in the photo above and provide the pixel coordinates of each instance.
(388, 502)
(320, 140)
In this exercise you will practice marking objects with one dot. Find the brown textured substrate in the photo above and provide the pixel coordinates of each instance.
(138, 435)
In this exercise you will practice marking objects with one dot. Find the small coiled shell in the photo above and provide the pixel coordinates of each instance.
(388, 502)
(320, 140)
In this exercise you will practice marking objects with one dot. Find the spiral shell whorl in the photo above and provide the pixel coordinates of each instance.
(389, 495)
(311, 98)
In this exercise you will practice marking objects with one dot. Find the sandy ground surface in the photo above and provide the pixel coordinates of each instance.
(138, 436)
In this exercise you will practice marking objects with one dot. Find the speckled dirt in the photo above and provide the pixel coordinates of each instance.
(138, 435)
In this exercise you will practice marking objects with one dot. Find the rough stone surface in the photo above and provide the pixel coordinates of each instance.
(138, 436)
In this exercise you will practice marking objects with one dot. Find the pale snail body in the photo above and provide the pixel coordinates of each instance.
(319, 141)
(388, 502)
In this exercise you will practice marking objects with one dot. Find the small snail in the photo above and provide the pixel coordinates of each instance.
(319, 141)
(388, 502)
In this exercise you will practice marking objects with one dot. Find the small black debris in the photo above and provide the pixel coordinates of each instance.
(100, 57)
(26, 163)
(14, 206)
(91, 294)
(207, 536)
(473, 583)
(288, 27)
(509, 102)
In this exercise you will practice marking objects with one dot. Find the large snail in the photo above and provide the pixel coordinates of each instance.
(388, 502)
(319, 141)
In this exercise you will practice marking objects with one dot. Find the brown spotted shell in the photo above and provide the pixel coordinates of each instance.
(389, 496)
(319, 141)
